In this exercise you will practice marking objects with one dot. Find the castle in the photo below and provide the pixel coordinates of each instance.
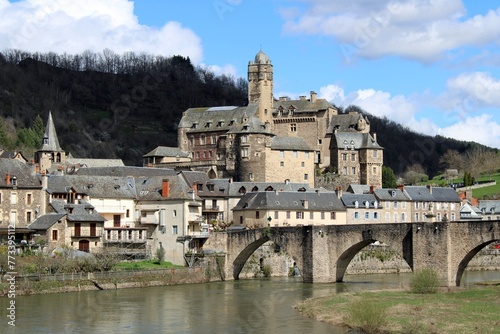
(272, 140)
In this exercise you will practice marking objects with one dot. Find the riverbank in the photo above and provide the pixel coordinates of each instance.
(44, 284)
(456, 310)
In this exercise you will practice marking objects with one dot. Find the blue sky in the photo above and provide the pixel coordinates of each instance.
(431, 65)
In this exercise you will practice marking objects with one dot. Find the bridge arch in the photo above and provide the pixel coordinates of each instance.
(243, 256)
(468, 257)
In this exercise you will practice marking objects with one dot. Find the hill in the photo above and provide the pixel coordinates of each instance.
(110, 106)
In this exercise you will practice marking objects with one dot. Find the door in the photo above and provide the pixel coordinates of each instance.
(83, 245)
(92, 230)
(116, 220)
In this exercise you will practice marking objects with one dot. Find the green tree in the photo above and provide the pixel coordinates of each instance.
(468, 179)
(388, 178)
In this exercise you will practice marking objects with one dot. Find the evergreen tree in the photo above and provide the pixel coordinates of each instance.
(388, 178)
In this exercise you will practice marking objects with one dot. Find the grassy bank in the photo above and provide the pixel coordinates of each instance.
(463, 311)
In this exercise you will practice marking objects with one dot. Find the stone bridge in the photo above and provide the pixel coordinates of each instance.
(323, 253)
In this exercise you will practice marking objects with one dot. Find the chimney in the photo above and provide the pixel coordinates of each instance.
(313, 96)
(165, 188)
(401, 187)
(430, 188)
(306, 204)
(372, 189)
(338, 191)
(7, 179)
(375, 136)
(302, 97)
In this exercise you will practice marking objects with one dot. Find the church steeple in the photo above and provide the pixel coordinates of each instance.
(260, 85)
(50, 141)
(50, 151)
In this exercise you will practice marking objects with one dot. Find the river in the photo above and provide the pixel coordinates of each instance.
(244, 306)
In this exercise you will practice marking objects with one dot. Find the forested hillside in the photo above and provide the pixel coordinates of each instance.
(106, 105)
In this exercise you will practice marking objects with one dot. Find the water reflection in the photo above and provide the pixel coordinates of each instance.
(245, 306)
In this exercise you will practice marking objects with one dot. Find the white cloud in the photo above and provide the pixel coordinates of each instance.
(228, 69)
(414, 29)
(73, 26)
(407, 111)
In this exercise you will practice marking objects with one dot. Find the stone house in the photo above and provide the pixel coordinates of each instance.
(274, 208)
(396, 205)
(21, 197)
(431, 204)
(490, 209)
(362, 208)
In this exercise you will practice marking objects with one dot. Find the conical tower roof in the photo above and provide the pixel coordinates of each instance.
(50, 141)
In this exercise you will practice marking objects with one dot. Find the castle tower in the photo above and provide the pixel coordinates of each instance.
(50, 151)
(260, 86)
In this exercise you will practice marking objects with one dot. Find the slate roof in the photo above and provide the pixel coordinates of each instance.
(235, 187)
(389, 194)
(81, 212)
(356, 139)
(468, 211)
(150, 188)
(286, 200)
(165, 151)
(44, 222)
(51, 142)
(24, 173)
(95, 162)
(489, 206)
(350, 200)
(94, 186)
(302, 105)
(358, 189)
(345, 122)
(290, 143)
(126, 171)
(217, 118)
(436, 194)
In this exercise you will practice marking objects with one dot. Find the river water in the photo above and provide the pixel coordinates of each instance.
(244, 306)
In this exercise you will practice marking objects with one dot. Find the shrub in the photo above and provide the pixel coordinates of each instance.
(424, 281)
(267, 270)
(160, 254)
(368, 316)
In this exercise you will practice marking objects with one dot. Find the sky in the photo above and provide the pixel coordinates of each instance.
(430, 65)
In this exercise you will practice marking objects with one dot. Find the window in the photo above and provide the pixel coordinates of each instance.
(175, 229)
(344, 156)
(387, 217)
(453, 216)
(387, 205)
(199, 187)
(395, 217)
(353, 170)
(244, 152)
(375, 215)
(0, 198)
(322, 215)
(214, 139)
(300, 215)
(28, 199)
(295, 154)
(276, 214)
(306, 154)
(306, 176)
(257, 214)
(311, 215)
(197, 155)
(303, 164)
(333, 216)
(345, 170)
(244, 139)
(293, 127)
(403, 218)
(375, 153)
(282, 154)
(356, 215)
(282, 164)
(174, 213)
(367, 215)
(403, 205)
(288, 214)
(395, 204)
(417, 205)
(320, 141)
(374, 171)
(250, 176)
(28, 216)
(191, 141)
(127, 214)
(13, 198)
(202, 140)
(54, 235)
(353, 157)
(417, 217)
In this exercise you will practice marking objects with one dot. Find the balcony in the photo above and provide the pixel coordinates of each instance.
(86, 235)
(210, 208)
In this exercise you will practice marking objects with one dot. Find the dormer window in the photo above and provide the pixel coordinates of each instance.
(245, 127)
(393, 193)
(14, 181)
(254, 189)
(194, 126)
(45, 140)
(220, 123)
(208, 124)
(231, 122)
